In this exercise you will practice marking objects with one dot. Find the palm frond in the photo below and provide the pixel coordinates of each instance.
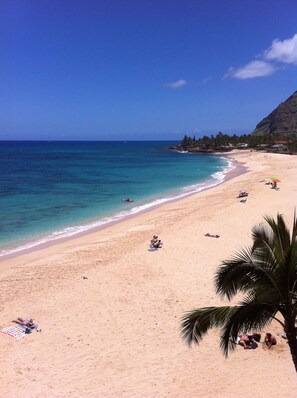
(262, 237)
(266, 273)
(233, 320)
(243, 273)
(291, 267)
(281, 235)
(232, 276)
(294, 229)
(196, 323)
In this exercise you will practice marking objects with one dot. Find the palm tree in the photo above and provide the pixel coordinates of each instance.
(266, 273)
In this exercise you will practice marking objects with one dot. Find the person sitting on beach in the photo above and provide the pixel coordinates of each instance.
(244, 341)
(154, 240)
(242, 194)
(256, 337)
(270, 340)
(156, 243)
(252, 342)
(159, 244)
(248, 341)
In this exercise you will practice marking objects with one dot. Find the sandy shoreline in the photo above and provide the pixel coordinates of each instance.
(237, 168)
(117, 333)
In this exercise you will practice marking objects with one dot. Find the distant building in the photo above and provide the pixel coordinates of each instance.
(262, 146)
(279, 147)
(224, 148)
(242, 145)
(282, 142)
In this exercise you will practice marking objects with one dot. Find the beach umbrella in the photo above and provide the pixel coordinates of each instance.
(275, 179)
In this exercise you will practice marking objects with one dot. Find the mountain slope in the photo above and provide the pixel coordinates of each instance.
(282, 120)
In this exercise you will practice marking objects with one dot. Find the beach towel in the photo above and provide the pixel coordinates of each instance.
(24, 327)
(14, 332)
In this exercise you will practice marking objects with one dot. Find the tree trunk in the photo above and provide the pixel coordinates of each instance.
(292, 341)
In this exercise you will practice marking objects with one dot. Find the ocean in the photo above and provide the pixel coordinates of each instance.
(53, 190)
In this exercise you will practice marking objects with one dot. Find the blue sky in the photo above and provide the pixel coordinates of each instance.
(134, 70)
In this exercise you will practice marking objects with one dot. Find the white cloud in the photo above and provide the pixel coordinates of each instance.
(251, 70)
(283, 51)
(176, 85)
(207, 79)
(279, 52)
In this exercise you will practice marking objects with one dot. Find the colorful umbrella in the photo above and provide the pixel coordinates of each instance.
(275, 179)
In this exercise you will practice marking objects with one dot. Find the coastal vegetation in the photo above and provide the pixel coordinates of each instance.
(225, 142)
(266, 273)
(276, 132)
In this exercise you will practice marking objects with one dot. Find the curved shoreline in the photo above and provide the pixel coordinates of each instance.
(235, 169)
(100, 297)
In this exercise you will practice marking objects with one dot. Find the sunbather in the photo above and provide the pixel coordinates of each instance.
(211, 235)
(25, 322)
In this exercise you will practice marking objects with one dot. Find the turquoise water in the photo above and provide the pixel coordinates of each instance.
(51, 190)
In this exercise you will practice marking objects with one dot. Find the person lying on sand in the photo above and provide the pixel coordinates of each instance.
(25, 322)
(211, 235)
(270, 340)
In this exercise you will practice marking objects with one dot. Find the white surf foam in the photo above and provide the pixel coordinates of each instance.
(216, 179)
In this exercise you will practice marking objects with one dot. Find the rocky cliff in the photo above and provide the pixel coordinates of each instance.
(282, 120)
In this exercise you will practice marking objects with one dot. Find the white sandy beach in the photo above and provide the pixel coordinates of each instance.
(117, 333)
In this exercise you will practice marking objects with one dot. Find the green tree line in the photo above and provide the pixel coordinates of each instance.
(213, 142)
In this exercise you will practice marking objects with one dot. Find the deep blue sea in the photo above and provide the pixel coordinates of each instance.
(51, 190)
